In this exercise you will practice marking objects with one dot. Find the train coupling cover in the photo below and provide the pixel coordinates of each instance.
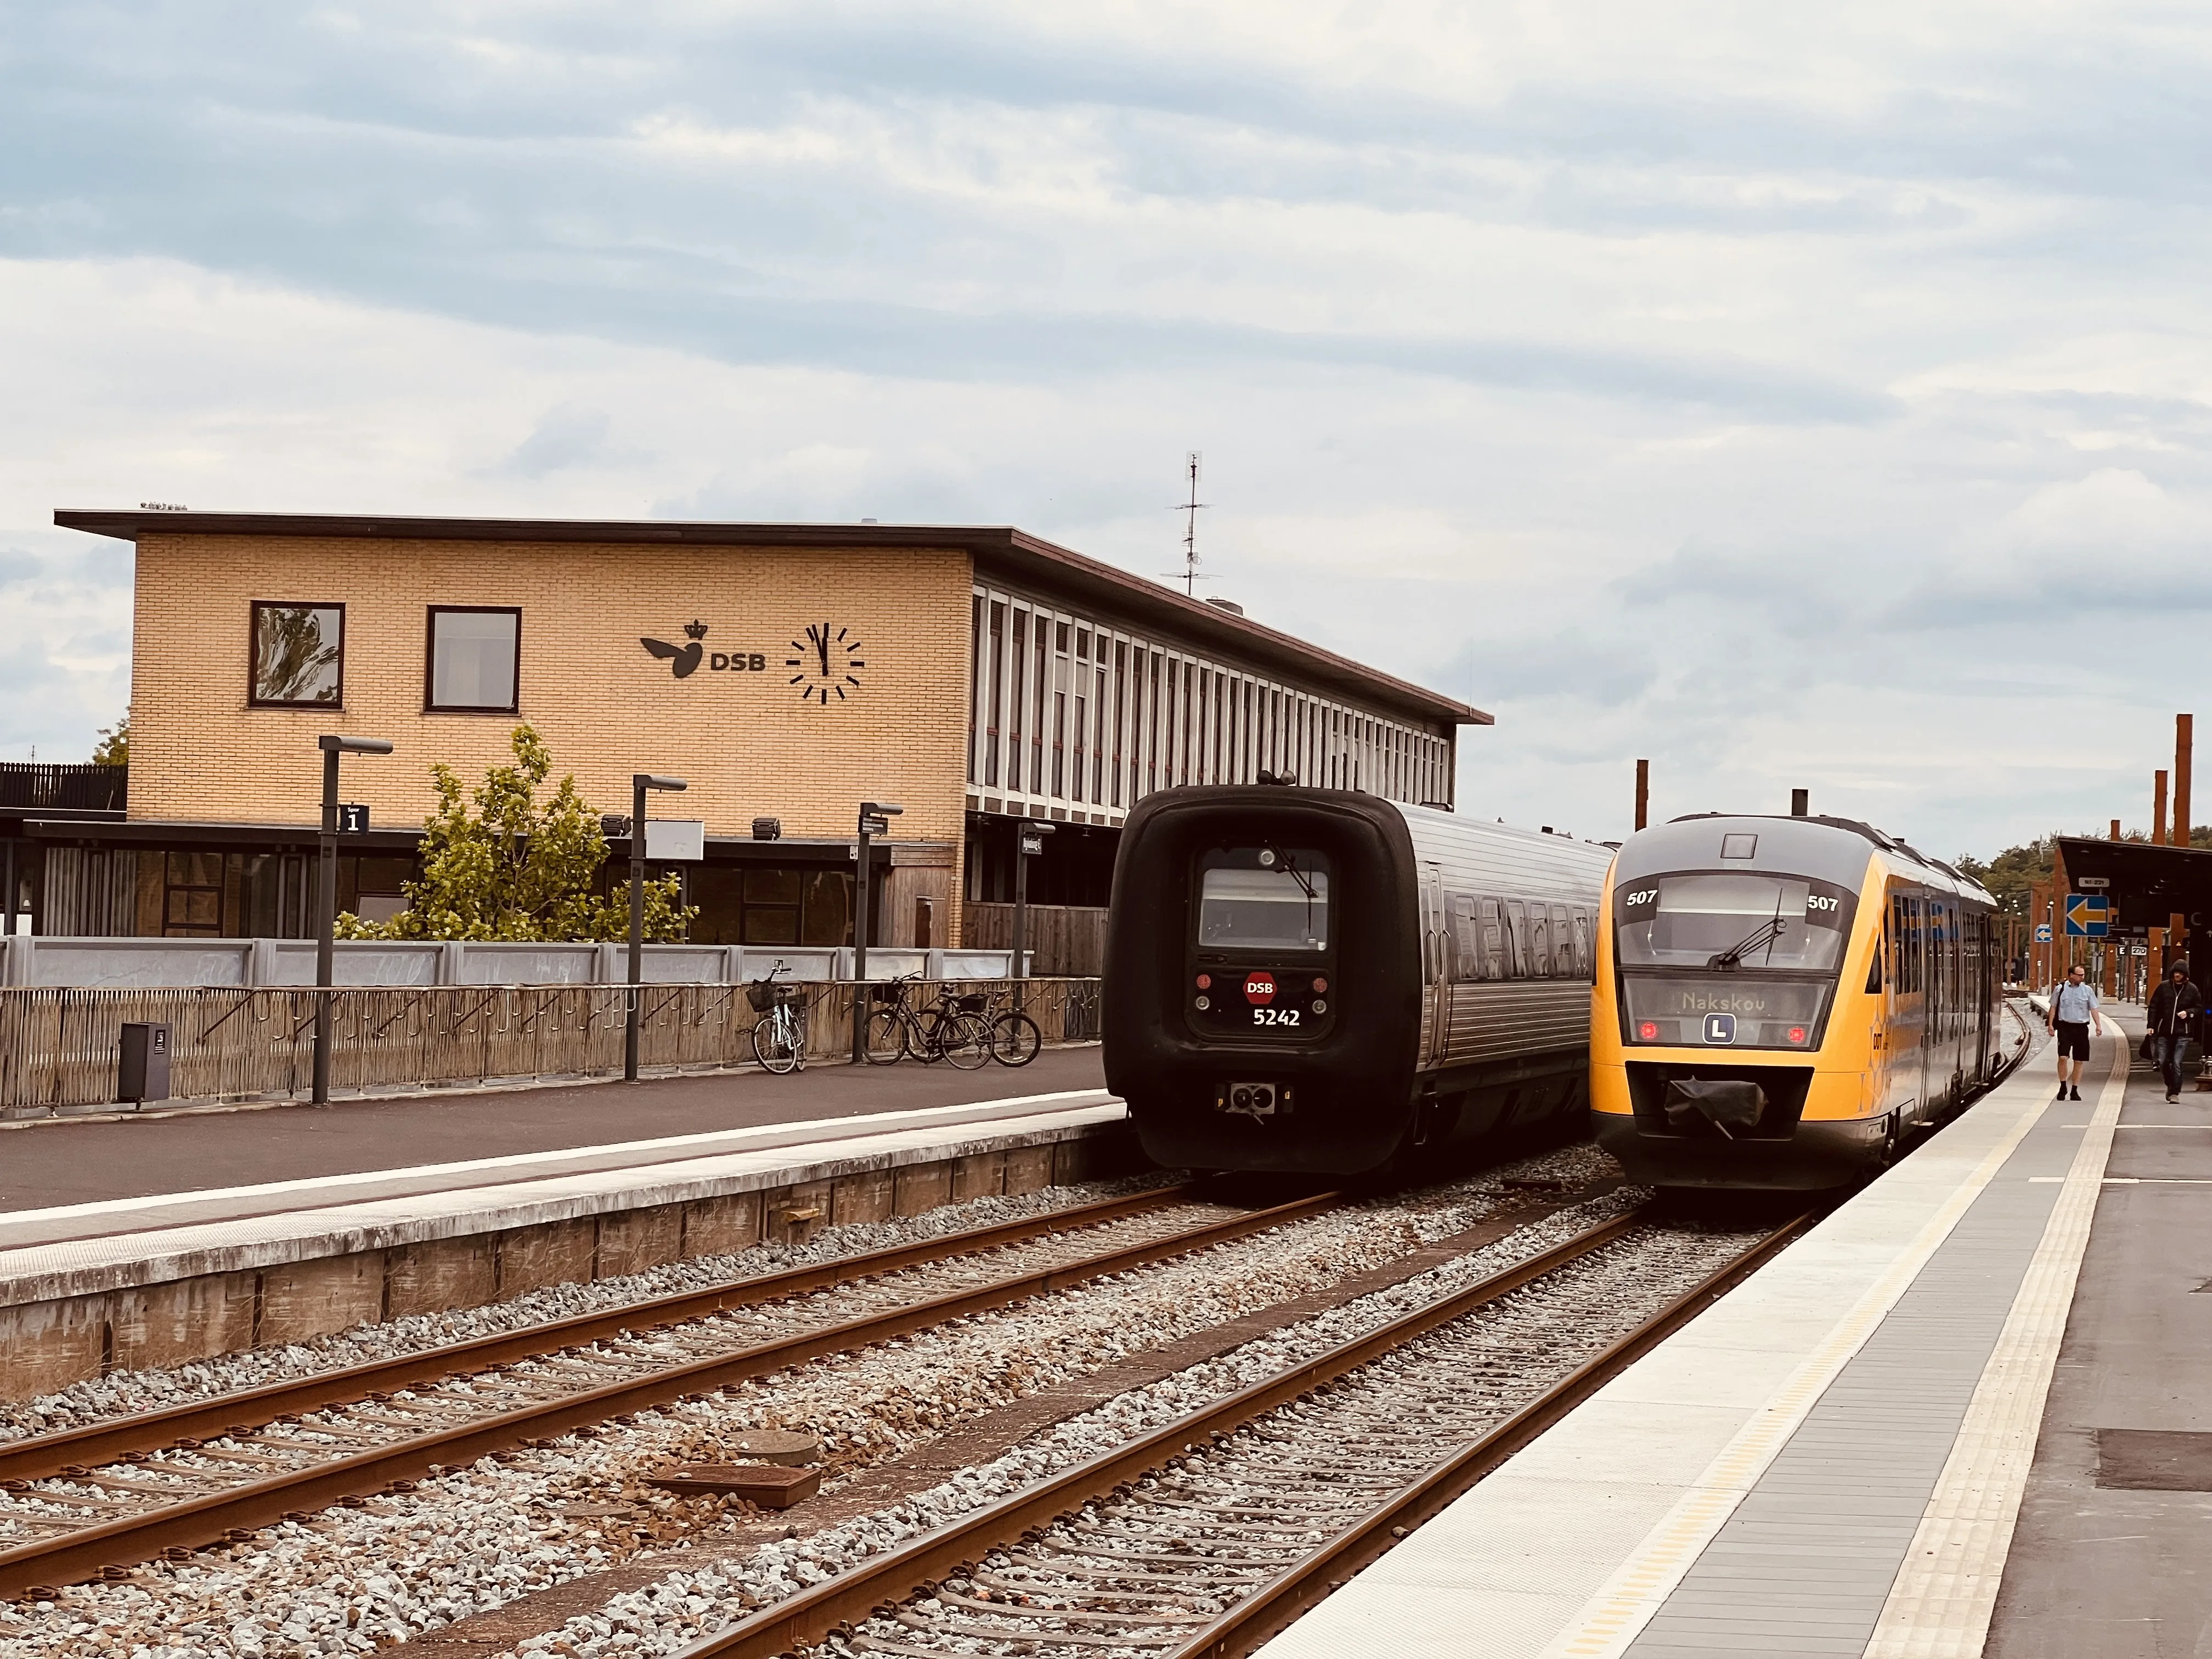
(1254, 1100)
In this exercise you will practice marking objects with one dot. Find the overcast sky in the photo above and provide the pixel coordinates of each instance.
(1813, 396)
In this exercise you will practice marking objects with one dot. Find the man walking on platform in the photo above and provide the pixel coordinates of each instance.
(2073, 1010)
(2173, 1006)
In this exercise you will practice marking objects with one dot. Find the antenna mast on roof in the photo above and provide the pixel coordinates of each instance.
(1191, 509)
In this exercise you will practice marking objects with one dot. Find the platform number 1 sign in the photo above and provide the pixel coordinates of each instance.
(353, 818)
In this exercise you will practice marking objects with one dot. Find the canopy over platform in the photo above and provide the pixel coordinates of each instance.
(2148, 885)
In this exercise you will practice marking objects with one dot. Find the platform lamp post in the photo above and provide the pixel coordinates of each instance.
(326, 902)
(1028, 843)
(875, 819)
(638, 783)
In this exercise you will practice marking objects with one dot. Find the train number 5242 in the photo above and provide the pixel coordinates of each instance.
(1275, 1016)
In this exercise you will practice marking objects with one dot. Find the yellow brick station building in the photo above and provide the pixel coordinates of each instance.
(974, 676)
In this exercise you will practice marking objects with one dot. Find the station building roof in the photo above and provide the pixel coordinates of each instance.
(2146, 883)
(999, 550)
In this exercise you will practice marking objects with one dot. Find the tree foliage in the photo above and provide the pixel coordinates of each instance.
(517, 868)
(113, 748)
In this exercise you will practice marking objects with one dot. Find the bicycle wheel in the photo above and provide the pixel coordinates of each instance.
(1015, 1039)
(775, 1043)
(927, 1041)
(963, 1040)
(886, 1037)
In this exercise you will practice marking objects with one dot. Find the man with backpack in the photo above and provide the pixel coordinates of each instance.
(2174, 1006)
(2073, 1010)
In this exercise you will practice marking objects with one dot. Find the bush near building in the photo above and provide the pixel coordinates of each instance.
(517, 868)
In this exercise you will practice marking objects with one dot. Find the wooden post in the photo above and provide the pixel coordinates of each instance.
(1642, 794)
(2158, 809)
(2113, 942)
(2182, 743)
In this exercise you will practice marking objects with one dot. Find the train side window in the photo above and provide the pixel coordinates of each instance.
(1583, 967)
(1466, 958)
(1536, 949)
(1874, 965)
(1562, 943)
(1516, 939)
(1492, 917)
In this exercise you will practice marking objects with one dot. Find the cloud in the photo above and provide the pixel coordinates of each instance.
(563, 438)
(1758, 391)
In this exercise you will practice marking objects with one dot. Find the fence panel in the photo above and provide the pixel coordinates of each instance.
(58, 1044)
(1064, 940)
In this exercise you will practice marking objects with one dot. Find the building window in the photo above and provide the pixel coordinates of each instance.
(298, 655)
(472, 656)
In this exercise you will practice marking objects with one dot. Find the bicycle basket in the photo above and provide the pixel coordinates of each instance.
(971, 1004)
(765, 994)
(884, 994)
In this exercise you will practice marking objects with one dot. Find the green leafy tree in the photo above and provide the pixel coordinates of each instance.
(517, 868)
(113, 748)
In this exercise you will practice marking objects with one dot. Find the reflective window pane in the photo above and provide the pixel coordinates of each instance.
(299, 654)
(472, 659)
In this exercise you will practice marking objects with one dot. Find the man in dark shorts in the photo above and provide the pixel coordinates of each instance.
(2173, 1007)
(2073, 1010)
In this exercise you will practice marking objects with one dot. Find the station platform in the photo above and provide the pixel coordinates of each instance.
(356, 1227)
(47, 1163)
(1966, 1414)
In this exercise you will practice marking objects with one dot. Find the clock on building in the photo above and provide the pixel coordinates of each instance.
(829, 663)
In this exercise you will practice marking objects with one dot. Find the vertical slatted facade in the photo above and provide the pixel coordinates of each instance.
(1073, 715)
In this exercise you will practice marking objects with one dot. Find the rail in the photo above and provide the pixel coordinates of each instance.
(519, 1388)
(920, 1566)
(58, 1044)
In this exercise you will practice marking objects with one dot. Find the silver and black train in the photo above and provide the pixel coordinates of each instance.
(1324, 981)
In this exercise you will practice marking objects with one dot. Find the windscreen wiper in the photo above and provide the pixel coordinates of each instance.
(1766, 933)
(1290, 869)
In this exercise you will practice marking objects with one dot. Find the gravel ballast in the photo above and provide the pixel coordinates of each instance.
(472, 1540)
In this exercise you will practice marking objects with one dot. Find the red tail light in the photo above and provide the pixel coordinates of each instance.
(1648, 1031)
(1796, 1034)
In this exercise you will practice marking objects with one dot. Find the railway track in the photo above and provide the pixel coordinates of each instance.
(95, 1501)
(1201, 1537)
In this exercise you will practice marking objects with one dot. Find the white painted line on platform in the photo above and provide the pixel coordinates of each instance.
(1940, 1606)
(806, 1130)
(1612, 1617)
(46, 1270)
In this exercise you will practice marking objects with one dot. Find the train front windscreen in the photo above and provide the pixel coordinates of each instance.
(1728, 959)
(1261, 961)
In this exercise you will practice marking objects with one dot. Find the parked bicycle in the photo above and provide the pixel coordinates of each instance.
(1014, 1037)
(942, 1029)
(780, 1033)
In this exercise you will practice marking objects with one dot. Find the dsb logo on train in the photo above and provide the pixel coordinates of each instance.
(1260, 999)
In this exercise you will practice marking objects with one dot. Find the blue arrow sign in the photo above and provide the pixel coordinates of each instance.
(2087, 915)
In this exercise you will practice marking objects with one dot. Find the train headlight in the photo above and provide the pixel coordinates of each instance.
(1204, 1003)
(1320, 1006)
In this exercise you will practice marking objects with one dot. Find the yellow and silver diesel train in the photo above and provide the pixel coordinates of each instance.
(1781, 1001)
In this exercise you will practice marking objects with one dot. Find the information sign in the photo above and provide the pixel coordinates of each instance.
(2088, 915)
(675, 840)
(2042, 932)
(353, 818)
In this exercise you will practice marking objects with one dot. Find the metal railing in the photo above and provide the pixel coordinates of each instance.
(58, 1045)
(33, 784)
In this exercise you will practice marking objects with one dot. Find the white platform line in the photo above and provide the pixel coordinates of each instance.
(851, 1127)
(1940, 1606)
(1612, 1617)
